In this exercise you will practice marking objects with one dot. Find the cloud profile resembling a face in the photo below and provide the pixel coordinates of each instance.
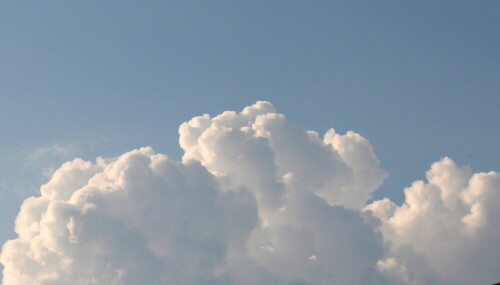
(255, 200)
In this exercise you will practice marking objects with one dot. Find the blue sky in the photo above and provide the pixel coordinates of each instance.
(419, 79)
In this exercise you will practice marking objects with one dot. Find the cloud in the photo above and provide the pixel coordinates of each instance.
(140, 218)
(450, 220)
(255, 200)
(55, 150)
(260, 149)
(44, 160)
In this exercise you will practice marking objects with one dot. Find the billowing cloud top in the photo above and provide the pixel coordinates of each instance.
(255, 200)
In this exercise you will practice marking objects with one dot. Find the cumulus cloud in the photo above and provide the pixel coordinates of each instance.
(255, 200)
(450, 220)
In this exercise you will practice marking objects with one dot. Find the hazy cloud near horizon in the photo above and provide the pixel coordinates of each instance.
(255, 200)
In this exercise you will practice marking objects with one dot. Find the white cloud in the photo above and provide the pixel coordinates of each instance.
(260, 149)
(451, 221)
(140, 218)
(255, 200)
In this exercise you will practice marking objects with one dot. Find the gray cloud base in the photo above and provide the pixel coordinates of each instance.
(255, 200)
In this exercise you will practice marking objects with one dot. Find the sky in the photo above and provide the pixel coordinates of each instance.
(418, 80)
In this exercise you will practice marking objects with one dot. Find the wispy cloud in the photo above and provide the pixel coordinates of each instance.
(55, 150)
